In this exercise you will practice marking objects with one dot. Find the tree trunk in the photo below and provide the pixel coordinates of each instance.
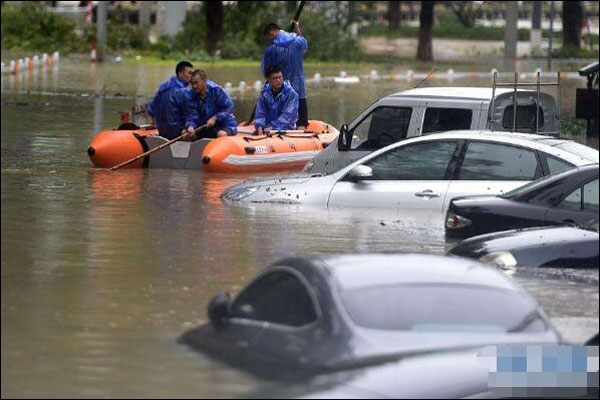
(572, 17)
(394, 15)
(424, 51)
(214, 25)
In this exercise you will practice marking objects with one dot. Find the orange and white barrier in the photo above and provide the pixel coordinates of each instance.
(30, 64)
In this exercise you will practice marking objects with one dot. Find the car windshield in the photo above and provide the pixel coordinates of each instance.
(534, 185)
(442, 307)
(592, 225)
(580, 150)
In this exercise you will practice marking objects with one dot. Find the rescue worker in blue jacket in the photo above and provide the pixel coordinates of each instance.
(287, 50)
(167, 109)
(277, 105)
(208, 104)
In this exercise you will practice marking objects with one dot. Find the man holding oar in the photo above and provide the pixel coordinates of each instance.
(168, 106)
(208, 104)
(287, 50)
(277, 105)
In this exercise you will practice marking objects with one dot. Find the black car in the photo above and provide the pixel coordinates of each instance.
(388, 324)
(569, 197)
(536, 247)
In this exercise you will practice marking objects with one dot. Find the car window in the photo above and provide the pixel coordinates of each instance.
(384, 126)
(417, 161)
(443, 307)
(278, 297)
(498, 162)
(590, 196)
(556, 165)
(535, 185)
(525, 117)
(572, 201)
(446, 119)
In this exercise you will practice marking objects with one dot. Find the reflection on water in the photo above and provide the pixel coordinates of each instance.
(101, 271)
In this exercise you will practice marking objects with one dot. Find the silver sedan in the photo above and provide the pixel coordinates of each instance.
(425, 173)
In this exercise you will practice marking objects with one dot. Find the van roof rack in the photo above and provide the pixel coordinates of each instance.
(516, 84)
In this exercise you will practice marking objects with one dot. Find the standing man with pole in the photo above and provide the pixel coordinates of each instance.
(287, 51)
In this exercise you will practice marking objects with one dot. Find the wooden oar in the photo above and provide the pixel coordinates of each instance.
(157, 148)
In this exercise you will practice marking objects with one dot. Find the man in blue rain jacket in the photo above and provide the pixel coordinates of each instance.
(277, 105)
(287, 51)
(208, 104)
(167, 109)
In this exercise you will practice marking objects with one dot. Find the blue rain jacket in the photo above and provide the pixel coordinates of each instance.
(216, 103)
(287, 51)
(168, 108)
(280, 112)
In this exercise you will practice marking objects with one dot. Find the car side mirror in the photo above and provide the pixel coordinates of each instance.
(219, 309)
(360, 172)
(344, 138)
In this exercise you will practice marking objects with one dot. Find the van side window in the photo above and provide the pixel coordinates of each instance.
(447, 119)
(525, 118)
(278, 297)
(384, 126)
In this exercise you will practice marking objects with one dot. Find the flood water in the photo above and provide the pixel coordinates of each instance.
(102, 271)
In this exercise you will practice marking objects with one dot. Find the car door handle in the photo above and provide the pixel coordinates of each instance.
(427, 194)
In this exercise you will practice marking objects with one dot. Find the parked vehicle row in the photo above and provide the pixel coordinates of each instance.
(389, 325)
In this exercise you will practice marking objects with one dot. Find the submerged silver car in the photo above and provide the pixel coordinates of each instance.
(425, 173)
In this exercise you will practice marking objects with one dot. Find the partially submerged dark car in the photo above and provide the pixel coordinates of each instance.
(568, 197)
(412, 317)
(566, 246)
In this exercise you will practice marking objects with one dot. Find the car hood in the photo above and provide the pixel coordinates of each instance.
(515, 240)
(277, 180)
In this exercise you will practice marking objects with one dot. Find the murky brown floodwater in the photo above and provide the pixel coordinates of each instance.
(101, 271)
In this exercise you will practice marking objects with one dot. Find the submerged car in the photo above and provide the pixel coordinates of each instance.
(566, 246)
(425, 172)
(569, 197)
(380, 324)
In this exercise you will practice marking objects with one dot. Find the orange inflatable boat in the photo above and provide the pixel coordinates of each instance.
(245, 152)
(270, 152)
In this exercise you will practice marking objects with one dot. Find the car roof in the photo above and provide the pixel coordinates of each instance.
(473, 93)
(547, 144)
(368, 270)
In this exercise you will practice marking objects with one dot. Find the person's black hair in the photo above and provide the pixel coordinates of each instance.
(181, 66)
(272, 69)
(199, 72)
(271, 27)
